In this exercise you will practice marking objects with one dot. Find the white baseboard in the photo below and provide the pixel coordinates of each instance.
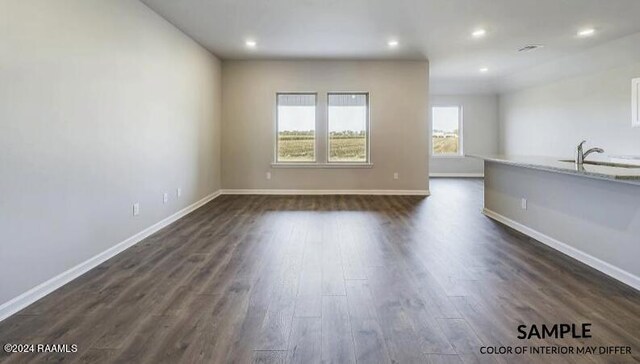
(604, 267)
(22, 301)
(456, 175)
(325, 192)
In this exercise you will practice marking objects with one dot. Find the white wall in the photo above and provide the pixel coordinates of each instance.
(583, 96)
(480, 133)
(550, 120)
(102, 103)
(398, 113)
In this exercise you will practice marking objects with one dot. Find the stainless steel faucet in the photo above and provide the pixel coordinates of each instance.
(582, 155)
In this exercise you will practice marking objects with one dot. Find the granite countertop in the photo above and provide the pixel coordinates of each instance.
(617, 174)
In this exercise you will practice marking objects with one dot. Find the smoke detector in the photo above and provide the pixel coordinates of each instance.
(530, 47)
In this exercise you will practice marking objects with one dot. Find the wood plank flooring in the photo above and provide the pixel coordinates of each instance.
(339, 279)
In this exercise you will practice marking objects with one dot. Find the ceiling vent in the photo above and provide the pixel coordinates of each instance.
(530, 47)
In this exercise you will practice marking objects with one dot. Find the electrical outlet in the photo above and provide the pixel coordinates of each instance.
(523, 203)
(396, 175)
(268, 175)
(179, 192)
(165, 198)
(136, 209)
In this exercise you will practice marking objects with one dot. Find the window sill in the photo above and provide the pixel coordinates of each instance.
(448, 156)
(322, 165)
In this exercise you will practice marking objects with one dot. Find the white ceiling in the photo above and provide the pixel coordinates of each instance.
(437, 30)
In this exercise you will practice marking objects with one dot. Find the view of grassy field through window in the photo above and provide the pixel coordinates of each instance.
(296, 146)
(348, 146)
(445, 145)
(445, 136)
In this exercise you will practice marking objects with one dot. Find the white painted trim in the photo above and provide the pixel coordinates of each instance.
(325, 192)
(604, 267)
(27, 298)
(322, 165)
(447, 156)
(456, 175)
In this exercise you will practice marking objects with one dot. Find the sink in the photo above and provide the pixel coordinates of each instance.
(604, 164)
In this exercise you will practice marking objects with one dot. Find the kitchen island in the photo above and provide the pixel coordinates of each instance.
(589, 212)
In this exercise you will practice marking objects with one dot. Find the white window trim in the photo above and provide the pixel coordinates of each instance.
(345, 165)
(367, 161)
(315, 132)
(460, 153)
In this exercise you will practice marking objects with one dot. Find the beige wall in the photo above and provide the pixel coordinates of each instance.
(102, 104)
(480, 133)
(399, 118)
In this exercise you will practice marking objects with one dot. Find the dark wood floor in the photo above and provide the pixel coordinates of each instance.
(337, 279)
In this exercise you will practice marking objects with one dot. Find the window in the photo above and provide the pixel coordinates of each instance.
(446, 134)
(344, 139)
(296, 128)
(348, 126)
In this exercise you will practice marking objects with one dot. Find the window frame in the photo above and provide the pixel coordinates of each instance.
(460, 153)
(367, 160)
(276, 160)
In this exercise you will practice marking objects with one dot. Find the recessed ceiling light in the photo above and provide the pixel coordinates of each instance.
(250, 43)
(586, 32)
(484, 70)
(393, 43)
(479, 33)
